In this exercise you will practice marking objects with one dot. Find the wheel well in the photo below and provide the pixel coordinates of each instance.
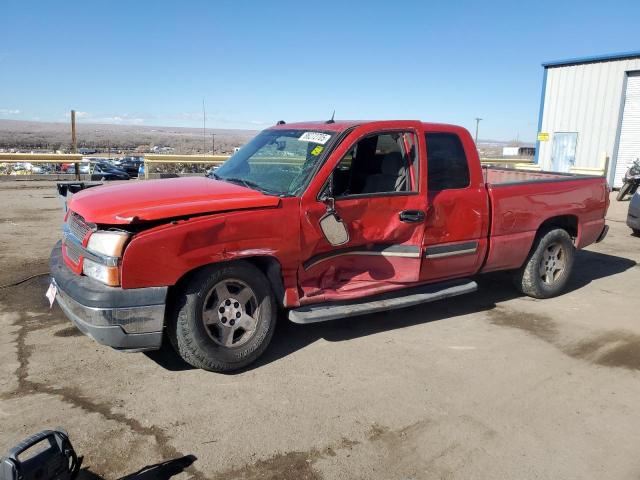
(270, 266)
(566, 222)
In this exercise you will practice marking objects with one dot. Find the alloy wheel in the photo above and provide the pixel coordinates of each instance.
(552, 264)
(230, 313)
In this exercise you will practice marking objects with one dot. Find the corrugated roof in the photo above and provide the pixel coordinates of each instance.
(592, 59)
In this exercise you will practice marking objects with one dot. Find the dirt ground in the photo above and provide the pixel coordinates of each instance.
(491, 385)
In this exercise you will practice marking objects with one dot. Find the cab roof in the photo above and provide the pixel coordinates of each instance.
(342, 125)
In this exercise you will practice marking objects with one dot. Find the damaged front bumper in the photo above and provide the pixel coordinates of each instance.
(125, 319)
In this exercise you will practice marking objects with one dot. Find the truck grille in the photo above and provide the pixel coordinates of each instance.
(73, 252)
(77, 226)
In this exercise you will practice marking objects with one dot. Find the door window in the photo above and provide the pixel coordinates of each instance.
(447, 165)
(384, 163)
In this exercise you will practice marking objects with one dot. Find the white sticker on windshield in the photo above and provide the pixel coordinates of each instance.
(315, 137)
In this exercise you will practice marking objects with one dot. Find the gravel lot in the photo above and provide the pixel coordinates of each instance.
(491, 385)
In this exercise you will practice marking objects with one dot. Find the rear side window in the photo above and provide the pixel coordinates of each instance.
(447, 165)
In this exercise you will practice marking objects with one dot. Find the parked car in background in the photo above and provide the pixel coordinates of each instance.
(633, 216)
(85, 168)
(104, 171)
(38, 169)
(325, 220)
(131, 165)
(211, 170)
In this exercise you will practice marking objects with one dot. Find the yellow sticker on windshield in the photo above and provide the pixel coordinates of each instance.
(317, 151)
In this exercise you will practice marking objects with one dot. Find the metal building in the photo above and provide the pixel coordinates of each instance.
(589, 118)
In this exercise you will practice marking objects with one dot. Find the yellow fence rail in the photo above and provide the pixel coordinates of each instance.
(149, 159)
(160, 158)
(205, 159)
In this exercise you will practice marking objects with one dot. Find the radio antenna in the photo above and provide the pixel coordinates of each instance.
(332, 117)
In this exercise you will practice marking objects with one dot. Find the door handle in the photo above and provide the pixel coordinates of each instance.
(411, 216)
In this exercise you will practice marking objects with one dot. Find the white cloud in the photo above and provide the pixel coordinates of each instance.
(8, 111)
(119, 119)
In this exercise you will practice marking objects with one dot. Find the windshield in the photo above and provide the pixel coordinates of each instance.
(277, 162)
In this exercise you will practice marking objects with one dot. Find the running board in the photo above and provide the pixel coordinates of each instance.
(321, 312)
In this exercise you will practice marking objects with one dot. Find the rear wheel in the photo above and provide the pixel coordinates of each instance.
(224, 318)
(548, 267)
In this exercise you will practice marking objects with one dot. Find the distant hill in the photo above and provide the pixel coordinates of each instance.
(57, 136)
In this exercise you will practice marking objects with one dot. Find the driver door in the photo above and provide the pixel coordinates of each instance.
(371, 188)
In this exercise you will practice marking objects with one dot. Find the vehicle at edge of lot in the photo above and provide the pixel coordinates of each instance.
(633, 215)
(630, 181)
(324, 220)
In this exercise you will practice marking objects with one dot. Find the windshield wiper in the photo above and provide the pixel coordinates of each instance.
(248, 184)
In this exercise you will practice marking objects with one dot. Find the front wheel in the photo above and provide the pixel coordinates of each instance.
(224, 317)
(548, 267)
(624, 190)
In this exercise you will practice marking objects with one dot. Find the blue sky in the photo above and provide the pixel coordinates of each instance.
(152, 63)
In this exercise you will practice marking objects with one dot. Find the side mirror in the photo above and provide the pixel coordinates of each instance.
(334, 229)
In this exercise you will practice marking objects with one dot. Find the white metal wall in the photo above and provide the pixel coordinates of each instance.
(629, 142)
(585, 98)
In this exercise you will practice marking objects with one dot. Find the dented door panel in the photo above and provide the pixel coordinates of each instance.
(381, 248)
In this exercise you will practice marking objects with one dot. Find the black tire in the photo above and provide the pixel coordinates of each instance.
(624, 190)
(636, 231)
(529, 279)
(194, 341)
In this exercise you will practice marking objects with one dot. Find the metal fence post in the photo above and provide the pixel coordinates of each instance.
(74, 142)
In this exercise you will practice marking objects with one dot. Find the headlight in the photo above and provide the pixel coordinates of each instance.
(102, 273)
(108, 243)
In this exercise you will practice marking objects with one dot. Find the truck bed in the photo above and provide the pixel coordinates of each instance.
(500, 176)
(523, 200)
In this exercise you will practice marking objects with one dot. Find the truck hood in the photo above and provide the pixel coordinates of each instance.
(149, 200)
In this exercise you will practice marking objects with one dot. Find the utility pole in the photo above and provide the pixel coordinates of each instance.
(213, 143)
(204, 130)
(477, 125)
(74, 143)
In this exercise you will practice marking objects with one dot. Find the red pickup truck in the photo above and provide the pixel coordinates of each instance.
(324, 220)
